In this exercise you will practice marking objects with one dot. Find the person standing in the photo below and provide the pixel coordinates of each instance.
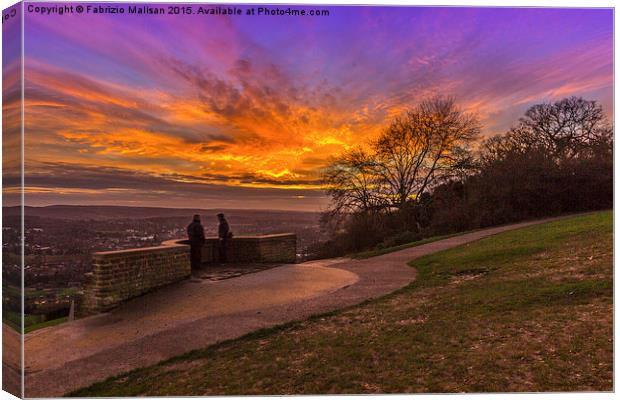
(223, 233)
(196, 236)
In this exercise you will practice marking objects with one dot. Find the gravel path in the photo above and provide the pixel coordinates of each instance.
(191, 315)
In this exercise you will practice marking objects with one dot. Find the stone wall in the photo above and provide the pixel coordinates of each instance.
(121, 275)
(118, 276)
(275, 248)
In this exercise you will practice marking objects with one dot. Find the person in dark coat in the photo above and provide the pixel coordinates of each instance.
(196, 236)
(223, 233)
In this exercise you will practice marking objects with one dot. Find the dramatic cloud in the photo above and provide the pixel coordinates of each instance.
(168, 109)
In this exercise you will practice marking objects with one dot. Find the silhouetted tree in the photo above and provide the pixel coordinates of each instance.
(353, 183)
(558, 158)
(562, 129)
(427, 145)
(381, 191)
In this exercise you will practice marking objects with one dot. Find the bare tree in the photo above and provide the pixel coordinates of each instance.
(428, 144)
(352, 182)
(563, 128)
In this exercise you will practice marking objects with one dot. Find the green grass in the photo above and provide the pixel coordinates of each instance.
(377, 252)
(31, 322)
(12, 319)
(45, 324)
(526, 310)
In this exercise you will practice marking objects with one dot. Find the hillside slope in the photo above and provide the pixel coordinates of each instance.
(528, 310)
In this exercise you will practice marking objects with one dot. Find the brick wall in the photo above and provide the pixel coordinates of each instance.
(121, 275)
(276, 248)
(118, 276)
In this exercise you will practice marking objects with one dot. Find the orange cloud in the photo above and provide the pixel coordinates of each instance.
(262, 135)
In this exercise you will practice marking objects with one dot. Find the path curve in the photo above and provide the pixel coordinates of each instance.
(347, 282)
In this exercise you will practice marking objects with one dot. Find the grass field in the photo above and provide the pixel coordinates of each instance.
(377, 252)
(527, 310)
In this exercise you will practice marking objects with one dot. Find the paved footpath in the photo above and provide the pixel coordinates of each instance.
(192, 315)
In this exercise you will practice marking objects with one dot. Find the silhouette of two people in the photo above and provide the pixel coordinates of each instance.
(196, 236)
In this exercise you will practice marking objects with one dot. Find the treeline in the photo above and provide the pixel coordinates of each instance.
(428, 174)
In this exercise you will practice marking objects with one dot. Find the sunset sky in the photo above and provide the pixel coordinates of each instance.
(243, 111)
